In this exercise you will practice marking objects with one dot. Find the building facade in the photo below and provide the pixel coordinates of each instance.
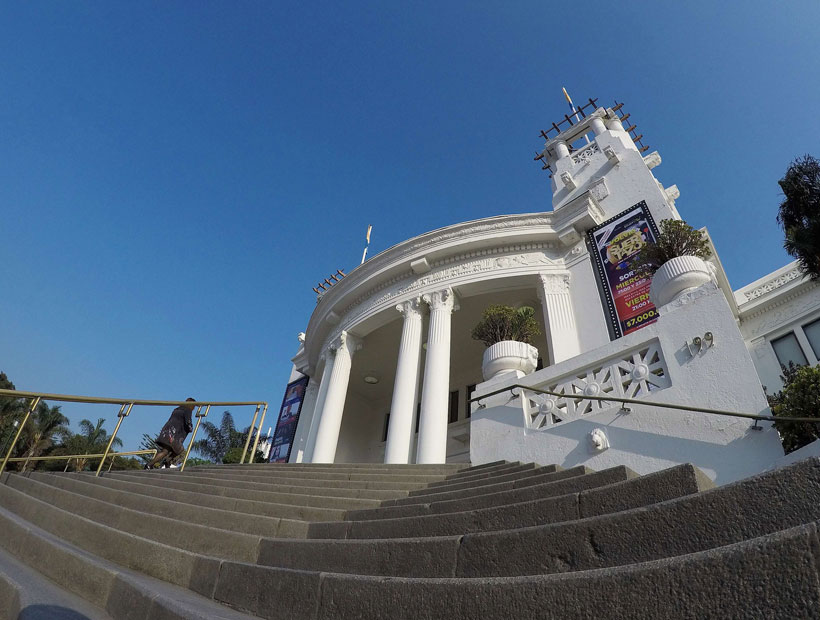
(388, 352)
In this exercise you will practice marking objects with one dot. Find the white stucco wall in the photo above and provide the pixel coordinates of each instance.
(649, 438)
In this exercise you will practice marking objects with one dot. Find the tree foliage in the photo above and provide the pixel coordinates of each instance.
(218, 441)
(799, 398)
(92, 439)
(799, 213)
(676, 238)
(502, 322)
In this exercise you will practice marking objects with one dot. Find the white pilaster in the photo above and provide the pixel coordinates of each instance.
(327, 436)
(310, 443)
(559, 318)
(432, 444)
(400, 427)
(306, 417)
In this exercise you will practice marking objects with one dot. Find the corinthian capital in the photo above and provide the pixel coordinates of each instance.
(346, 341)
(555, 282)
(410, 309)
(444, 299)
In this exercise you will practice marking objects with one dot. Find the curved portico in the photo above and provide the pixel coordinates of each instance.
(401, 312)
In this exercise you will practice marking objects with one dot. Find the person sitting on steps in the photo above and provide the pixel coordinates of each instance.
(172, 435)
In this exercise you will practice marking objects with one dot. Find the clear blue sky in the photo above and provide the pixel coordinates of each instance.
(176, 176)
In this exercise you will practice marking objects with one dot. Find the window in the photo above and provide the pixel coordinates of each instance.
(386, 425)
(812, 331)
(470, 390)
(452, 415)
(418, 416)
(787, 349)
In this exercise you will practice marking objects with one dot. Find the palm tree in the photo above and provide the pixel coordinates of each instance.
(92, 439)
(45, 425)
(799, 213)
(219, 440)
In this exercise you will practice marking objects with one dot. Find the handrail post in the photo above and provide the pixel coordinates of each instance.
(35, 401)
(259, 433)
(250, 432)
(121, 416)
(199, 416)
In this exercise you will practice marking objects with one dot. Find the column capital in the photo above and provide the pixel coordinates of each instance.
(347, 341)
(444, 299)
(410, 309)
(555, 282)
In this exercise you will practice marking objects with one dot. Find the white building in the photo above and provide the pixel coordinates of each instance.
(392, 364)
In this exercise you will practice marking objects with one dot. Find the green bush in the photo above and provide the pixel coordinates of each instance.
(506, 323)
(234, 454)
(676, 238)
(799, 398)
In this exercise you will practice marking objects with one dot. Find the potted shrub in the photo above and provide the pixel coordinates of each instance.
(507, 332)
(676, 263)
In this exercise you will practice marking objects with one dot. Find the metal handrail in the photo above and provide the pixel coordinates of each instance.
(126, 404)
(636, 401)
(68, 457)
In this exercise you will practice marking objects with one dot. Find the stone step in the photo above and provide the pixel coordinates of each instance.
(254, 509)
(523, 514)
(486, 467)
(523, 471)
(772, 576)
(288, 470)
(306, 487)
(579, 481)
(191, 509)
(324, 478)
(121, 592)
(482, 474)
(444, 468)
(217, 542)
(26, 595)
(444, 556)
(329, 498)
(484, 489)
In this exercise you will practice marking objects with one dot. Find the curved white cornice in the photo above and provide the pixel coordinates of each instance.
(468, 250)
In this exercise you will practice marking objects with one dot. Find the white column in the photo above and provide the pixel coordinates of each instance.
(329, 356)
(306, 418)
(559, 318)
(327, 437)
(400, 427)
(432, 445)
(598, 126)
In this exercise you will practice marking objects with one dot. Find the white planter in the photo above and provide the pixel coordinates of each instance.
(677, 276)
(509, 356)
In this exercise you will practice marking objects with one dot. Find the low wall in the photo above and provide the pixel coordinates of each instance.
(652, 364)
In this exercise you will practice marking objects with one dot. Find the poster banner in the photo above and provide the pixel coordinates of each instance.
(287, 421)
(614, 245)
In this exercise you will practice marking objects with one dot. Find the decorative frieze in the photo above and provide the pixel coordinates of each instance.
(771, 285)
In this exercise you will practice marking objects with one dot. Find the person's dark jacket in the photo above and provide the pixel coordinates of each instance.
(176, 429)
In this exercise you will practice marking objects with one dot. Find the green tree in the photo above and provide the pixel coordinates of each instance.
(92, 439)
(218, 441)
(799, 398)
(45, 427)
(799, 213)
(500, 322)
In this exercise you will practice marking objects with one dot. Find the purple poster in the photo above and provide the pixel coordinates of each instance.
(614, 245)
(287, 421)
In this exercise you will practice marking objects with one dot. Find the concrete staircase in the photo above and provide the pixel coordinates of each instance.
(502, 540)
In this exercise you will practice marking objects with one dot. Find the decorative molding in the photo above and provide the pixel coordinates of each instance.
(775, 283)
(586, 153)
(771, 321)
(410, 309)
(653, 160)
(555, 283)
(346, 341)
(599, 190)
(443, 300)
(633, 374)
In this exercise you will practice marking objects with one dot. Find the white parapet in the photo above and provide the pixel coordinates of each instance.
(652, 364)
